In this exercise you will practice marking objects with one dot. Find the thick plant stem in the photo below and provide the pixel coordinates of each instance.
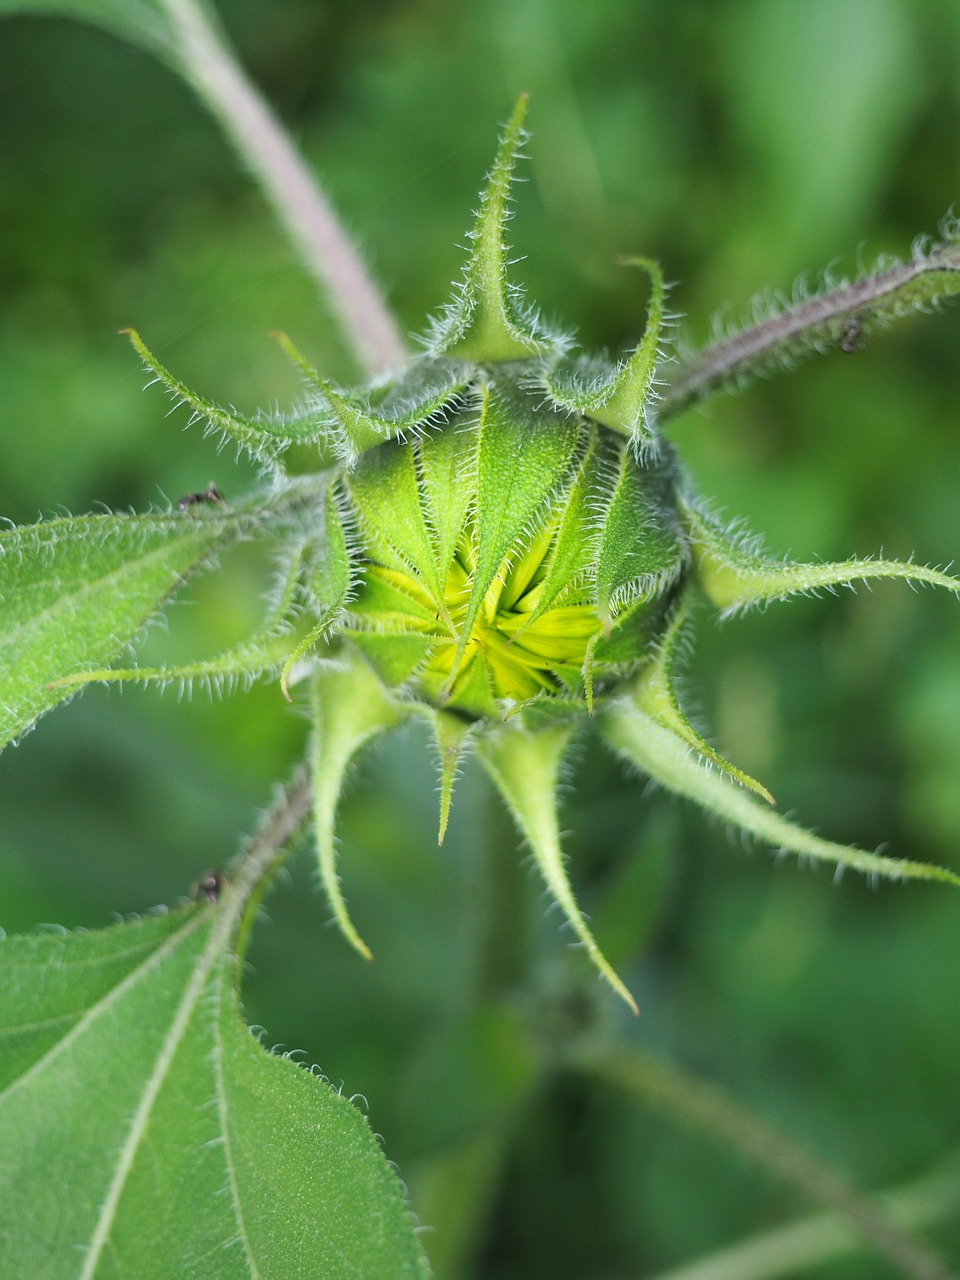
(303, 210)
(707, 1110)
(837, 318)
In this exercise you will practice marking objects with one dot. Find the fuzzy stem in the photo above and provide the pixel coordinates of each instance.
(710, 1112)
(252, 870)
(833, 318)
(301, 206)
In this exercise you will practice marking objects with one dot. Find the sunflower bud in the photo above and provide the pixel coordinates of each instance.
(507, 547)
(515, 552)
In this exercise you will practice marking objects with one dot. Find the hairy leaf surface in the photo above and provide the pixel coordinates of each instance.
(73, 592)
(136, 1107)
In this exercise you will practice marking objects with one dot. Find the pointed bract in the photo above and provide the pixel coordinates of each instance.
(350, 706)
(641, 548)
(447, 463)
(329, 582)
(265, 438)
(525, 766)
(572, 552)
(735, 576)
(407, 405)
(486, 322)
(616, 396)
(655, 694)
(385, 490)
(669, 760)
(452, 735)
(522, 459)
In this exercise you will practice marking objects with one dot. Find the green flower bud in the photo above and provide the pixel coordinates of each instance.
(514, 552)
(505, 546)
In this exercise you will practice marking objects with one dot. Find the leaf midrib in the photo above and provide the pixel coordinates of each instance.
(152, 1086)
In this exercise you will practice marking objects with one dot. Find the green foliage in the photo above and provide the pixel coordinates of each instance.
(146, 22)
(742, 972)
(126, 1068)
(76, 591)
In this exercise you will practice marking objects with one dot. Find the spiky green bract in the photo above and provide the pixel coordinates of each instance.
(667, 758)
(839, 317)
(452, 735)
(337, 426)
(655, 694)
(409, 402)
(329, 583)
(264, 438)
(350, 706)
(525, 765)
(616, 397)
(734, 575)
(641, 550)
(487, 321)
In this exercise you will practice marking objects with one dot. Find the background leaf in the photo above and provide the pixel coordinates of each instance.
(146, 1133)
(143, 21)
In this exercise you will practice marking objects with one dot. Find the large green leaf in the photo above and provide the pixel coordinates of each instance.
(74, 591)
(146, 1134)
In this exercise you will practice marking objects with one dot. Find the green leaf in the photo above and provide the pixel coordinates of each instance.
(486, 321)
(668, 759)
(616, 396)
(254, 656)
(525, 767)
(146, 1134)
(144, 22)
(837, 319)
(655, 694)
(73, 592)
(735, 576)
(350, 706)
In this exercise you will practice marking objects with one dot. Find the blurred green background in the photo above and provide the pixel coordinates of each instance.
(744, 144)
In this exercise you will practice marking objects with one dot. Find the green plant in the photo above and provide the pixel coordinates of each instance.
(497, 539)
